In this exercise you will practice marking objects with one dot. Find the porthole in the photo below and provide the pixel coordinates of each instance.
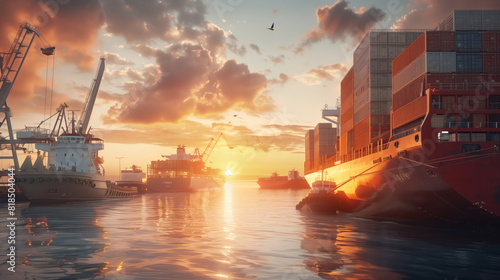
(417, 138)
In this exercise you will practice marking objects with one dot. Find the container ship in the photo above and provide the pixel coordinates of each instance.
(182, 172)
(419, 135)
(292, 181)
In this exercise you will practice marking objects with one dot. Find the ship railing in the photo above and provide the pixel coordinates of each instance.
(465, 86)
(462, 124)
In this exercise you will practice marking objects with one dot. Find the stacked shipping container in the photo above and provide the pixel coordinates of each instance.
(460, 55)
(367, 89)
(325, 137)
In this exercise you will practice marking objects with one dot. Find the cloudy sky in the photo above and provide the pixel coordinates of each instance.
(180, 71)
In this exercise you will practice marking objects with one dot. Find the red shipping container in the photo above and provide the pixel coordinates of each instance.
(491, 63)
(412, 52)
(346, 91)
(491, 41)
(440, 41)
(409, 93)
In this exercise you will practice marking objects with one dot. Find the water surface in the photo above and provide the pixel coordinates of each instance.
(239, 232)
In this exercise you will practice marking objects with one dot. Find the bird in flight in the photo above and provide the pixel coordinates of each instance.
(272, 27)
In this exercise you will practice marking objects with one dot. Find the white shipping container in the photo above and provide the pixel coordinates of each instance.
(411, 72)
(380, 66)
(380, 94)
(361, 62)
(392, 38)
(441, 62)
(361, 75)
(362, 47)
(401, 38)
(380, 80)
(364, 85)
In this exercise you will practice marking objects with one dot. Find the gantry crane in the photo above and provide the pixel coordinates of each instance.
(10, 65)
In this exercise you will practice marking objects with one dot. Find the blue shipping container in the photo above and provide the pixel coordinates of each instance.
(469, 62)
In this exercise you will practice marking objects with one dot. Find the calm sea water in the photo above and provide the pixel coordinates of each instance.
(240, 232)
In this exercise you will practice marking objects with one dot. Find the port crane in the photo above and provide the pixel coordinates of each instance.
(210, 147)
(83, 122)
(10, 66)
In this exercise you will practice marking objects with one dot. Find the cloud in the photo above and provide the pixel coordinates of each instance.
(283, 78)
(187, 81)
(116, 59)
(232, 46)
(138, 20)
(316, 75)
(435, 11)
(255, 48)
(338, 22)
(277, 59)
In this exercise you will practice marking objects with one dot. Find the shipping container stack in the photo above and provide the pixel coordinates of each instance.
(366, 91)
(309, 163)
(461, 54)
(325, 137)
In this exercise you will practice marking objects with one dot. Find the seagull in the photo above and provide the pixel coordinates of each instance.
(272, 27)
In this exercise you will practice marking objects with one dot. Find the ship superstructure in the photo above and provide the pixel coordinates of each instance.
(439, 157)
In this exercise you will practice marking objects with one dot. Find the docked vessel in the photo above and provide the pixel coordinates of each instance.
(132, 178)
(182, 172)
(292, 181)
(74, 172)
(74, 169)
(427, 148)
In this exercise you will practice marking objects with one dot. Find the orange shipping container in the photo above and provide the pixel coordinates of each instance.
(411, 53)
(410, 112)
(362, 134)
(343, 144)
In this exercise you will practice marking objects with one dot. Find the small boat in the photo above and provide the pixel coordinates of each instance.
(292, 181)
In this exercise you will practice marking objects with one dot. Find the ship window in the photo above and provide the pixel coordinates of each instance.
(72, 155)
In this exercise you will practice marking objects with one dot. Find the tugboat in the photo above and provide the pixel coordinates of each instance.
(323, 199)
(292, 181)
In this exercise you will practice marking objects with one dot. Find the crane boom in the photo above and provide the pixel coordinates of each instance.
(210, 147)
(10, 65)
(83, 123)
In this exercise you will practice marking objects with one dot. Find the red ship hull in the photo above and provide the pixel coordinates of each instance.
(410, 181)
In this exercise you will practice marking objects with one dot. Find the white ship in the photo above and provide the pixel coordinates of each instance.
(73, 171)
